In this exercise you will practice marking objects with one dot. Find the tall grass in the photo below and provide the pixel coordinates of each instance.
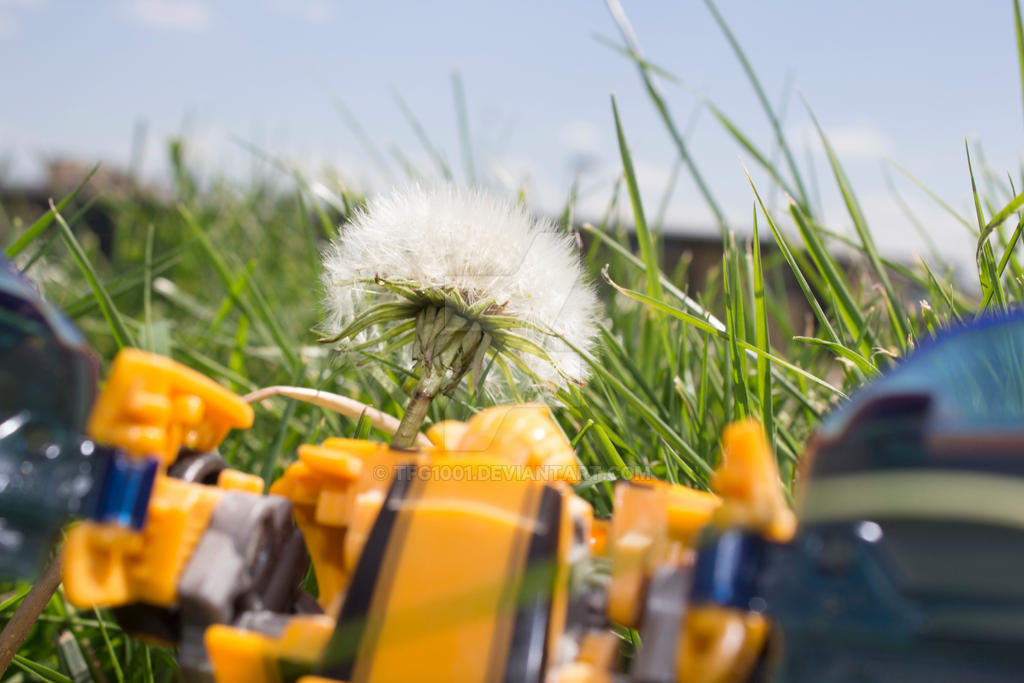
(225, 279)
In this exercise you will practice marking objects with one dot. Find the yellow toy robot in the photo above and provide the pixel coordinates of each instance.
(468, 560)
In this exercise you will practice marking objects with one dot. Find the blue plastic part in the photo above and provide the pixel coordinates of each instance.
(124, 492)
(729, 569)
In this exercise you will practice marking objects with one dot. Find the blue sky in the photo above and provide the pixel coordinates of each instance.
(905, 80)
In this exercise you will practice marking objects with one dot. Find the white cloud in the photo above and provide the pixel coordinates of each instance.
(653, 178)
(849, 140)
(581, 137)
(308, 10)
(173, 14)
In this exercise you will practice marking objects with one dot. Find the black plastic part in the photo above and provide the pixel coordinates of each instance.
(342, 649)
(163, 623)
(527, 656)
(198, 468)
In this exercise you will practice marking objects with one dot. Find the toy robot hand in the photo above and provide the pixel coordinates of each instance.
(153, 406)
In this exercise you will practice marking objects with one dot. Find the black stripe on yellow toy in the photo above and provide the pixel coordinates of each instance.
(527, 656)
(339, 659)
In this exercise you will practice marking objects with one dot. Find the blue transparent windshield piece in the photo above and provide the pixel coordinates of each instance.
(972, 374)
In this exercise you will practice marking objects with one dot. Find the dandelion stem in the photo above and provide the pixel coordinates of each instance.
(412, 420)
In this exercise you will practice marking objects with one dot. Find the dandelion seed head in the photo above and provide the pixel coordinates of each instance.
(487, 248)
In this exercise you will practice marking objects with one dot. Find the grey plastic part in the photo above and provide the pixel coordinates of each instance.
(69, 654)
(659, 633)
(251, 558)
(262, 621)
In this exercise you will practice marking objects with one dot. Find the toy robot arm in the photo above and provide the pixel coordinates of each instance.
(668, 582)
(723, 632)
(150, 408)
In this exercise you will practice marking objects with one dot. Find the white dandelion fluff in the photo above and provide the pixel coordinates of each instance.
(486, 253)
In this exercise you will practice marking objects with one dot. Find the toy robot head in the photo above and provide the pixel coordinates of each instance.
(911, 523)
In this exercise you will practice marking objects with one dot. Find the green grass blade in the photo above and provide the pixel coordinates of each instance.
(661, 71)
(666, 198)
(979, 213)
(1019, 29)
(462, 115)
(935, 197)
(583, 430)
(862, 363)
(43, 673)
(128, 280)
(1007, 254)
(692, 305)
(710, 329)
(798, 273)
(109, 646)
(749, 146)
(421, 134)
(764, 374)
(763, 98)
(621, 470)
(735, 329)
(262, 311)
(918, 225)
(367, 144)
(935, 285)
(619, 15)
(983, 255)
(898, 320)
(693, 465)
(326, 224)
(147, 290)
(122, 337)
(234, 294)
(997, 220)
(848, 307)
(273, 454)
(362, 427)
(44, 221)
(51, 237)
(642, 233)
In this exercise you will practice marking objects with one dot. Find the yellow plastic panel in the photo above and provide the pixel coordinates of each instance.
(235, 480)
(522, 435)
(719, 644)
(444, 611)
(239, 656)
(105, 565)
(748, 481)
(336, 490)
(152, 405)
